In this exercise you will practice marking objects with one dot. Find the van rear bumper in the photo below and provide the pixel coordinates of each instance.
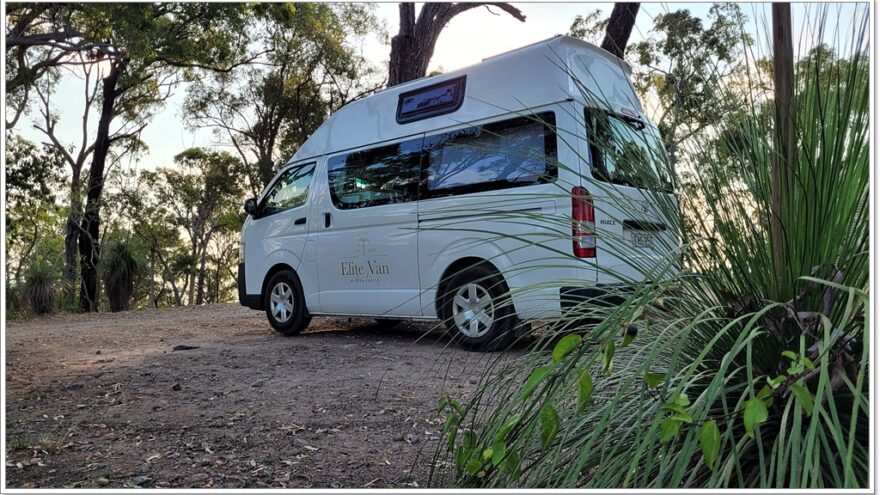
(253, 301)
(600, 295)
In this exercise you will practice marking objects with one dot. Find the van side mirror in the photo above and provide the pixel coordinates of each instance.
(250, 207)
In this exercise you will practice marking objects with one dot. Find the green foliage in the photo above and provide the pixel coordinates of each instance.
(710, 442)
(653, 380)
(590, 27)
(565, 346)
(685, 66)
(585, 391)
(549, 421)
(534, 379)
(33, 175)
(736, 377)
(122, 267)
(39, 288)
(754, 413)
(310, 68)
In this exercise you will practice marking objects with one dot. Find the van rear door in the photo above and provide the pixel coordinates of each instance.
(631, 191)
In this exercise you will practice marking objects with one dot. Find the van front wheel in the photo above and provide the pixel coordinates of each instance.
(285, 304)
(477, 310)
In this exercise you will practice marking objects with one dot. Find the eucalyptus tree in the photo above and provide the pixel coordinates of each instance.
(263, 111)
(201, 197)
(688, 67)
(33, 173)
(139, 46)
(682, 66)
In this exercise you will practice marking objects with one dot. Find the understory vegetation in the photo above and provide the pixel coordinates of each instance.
(744, 364)
(89, 226)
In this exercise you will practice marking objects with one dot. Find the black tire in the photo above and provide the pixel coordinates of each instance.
(388, 324)
(501, 332)
(285, 319)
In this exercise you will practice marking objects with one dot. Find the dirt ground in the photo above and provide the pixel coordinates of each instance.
(104, 401)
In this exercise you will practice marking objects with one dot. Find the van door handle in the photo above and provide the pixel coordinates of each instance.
(300, 221)
(327, 220)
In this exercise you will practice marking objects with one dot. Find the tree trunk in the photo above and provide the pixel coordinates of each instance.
(401, 66)
(26, 254)
(200, 292)
(71, 237)
(89, 232)
(266, 169)
(413, 46)
(784, 157)
(620, 25)
(169, 277)
(152, 286)
(217, 282)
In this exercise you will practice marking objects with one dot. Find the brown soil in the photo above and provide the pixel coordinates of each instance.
(103, 401)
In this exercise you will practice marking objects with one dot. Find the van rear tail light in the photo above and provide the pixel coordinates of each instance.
(583, 223)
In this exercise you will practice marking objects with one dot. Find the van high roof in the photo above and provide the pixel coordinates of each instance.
(555, 70)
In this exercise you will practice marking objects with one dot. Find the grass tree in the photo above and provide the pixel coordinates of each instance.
(121, 266)
(39, 288)
(717, 374)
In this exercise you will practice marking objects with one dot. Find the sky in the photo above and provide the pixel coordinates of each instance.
(469, 38)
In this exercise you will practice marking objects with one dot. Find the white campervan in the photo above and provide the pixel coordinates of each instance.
(478, 197)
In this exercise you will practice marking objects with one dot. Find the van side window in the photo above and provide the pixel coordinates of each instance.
(290, 190)
(510, 153)
(626, 151)
(377, 176)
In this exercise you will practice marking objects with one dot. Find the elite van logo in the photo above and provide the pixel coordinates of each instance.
(363, 266)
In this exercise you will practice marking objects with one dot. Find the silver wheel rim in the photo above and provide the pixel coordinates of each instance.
(472, 310)
(281, 301)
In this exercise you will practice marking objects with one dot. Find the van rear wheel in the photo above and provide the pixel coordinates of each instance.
(285, 304)
(477, 310)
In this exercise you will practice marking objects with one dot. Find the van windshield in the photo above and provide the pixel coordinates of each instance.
(626, 151)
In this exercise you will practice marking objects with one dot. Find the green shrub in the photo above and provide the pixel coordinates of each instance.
(121, 266)
(39, 290)
(732, 377)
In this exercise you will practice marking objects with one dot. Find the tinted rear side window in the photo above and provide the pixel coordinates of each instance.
(510, 153)
(377, 176)
(626, 151)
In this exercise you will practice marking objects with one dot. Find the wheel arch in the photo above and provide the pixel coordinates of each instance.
(277, 267)
(460, 265)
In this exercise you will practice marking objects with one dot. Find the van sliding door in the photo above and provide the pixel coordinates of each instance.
(367, 249)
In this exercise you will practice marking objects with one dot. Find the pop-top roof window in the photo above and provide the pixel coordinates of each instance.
(430, 101)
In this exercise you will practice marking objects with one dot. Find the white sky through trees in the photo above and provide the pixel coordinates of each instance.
(467, 39)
